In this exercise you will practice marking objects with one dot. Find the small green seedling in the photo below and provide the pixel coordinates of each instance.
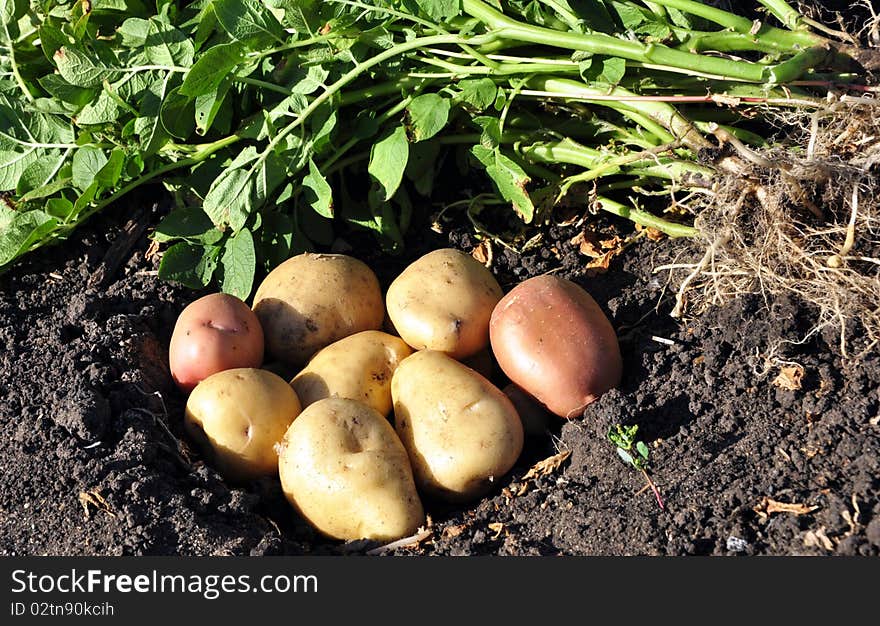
(633, 452)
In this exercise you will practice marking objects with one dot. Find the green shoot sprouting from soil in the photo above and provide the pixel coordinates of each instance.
(634, 453)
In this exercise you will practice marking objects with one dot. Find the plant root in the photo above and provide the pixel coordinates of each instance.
(800, 219)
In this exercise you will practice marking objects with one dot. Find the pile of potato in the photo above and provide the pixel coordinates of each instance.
(327, 434)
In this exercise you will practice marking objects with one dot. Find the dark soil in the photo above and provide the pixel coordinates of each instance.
(95, 460)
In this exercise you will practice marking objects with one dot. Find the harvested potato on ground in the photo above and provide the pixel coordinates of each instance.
(443, 301)
(312, 300)
(358, 367)
(551, 338)
(214, 333)
(460, 430)
(238, 416)
(344, 469)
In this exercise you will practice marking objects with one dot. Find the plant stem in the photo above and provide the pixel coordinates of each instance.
(784, 12)
(644, 218)
(660, 112)
(598, 43)
(654, 489)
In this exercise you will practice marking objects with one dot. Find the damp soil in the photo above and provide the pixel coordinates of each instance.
(96, 461)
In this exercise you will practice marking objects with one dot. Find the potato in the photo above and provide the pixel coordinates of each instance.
(238, 416)
(460, 430)
(214, 333)
(443, 301)
(551, 338)
(358, 367)
(312, 300)
(344, 469)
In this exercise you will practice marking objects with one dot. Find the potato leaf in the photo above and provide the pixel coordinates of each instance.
(190, 223)
(317, 192)
(509, 178)
(249, 21)
(427, 114)
(238, 264)
(189, 264)
(81, 68)
(211, 68)
(87, 162)
(388, 159)
(479, 93)
(19, 230)
(440, 9)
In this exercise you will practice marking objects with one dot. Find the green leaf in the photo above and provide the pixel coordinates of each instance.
(108, 175)
(309, 81)
(317, 192)
(238, 265)
(59, 207)
(427, 114)
(388, 158)
(509, 178)
(626, 456)
(51, 39)
(177, 114)
(59, 88)
(148, 125)
(491, 126)
(21, 229)
(321, 124)
(189, 264)
(211, 68)
(479, 93)
(229, 201)
(207, 105)
(642, 449)
(248, 21)
(190, 223)
(102, 110)
(133, 32)
(440, 9)
(87, 162)
(46, 190)
(39, 173)
(166, 45)
(80, 68)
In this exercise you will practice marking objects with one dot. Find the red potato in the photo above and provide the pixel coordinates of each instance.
(215, 333)
(551, 338)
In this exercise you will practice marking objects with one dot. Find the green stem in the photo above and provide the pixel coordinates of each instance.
(660, 112)
(262, 84)
(784, 13)
(649, 220)
(656, 54)
(15, 72)
(503, 69)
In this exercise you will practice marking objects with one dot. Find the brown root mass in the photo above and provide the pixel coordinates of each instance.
(801, 218)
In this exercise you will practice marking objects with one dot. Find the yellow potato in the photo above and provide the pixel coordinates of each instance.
(358, 367)
(460, 430)
(312, 300)
(344, 469)
(443, 301)
(238, 416)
